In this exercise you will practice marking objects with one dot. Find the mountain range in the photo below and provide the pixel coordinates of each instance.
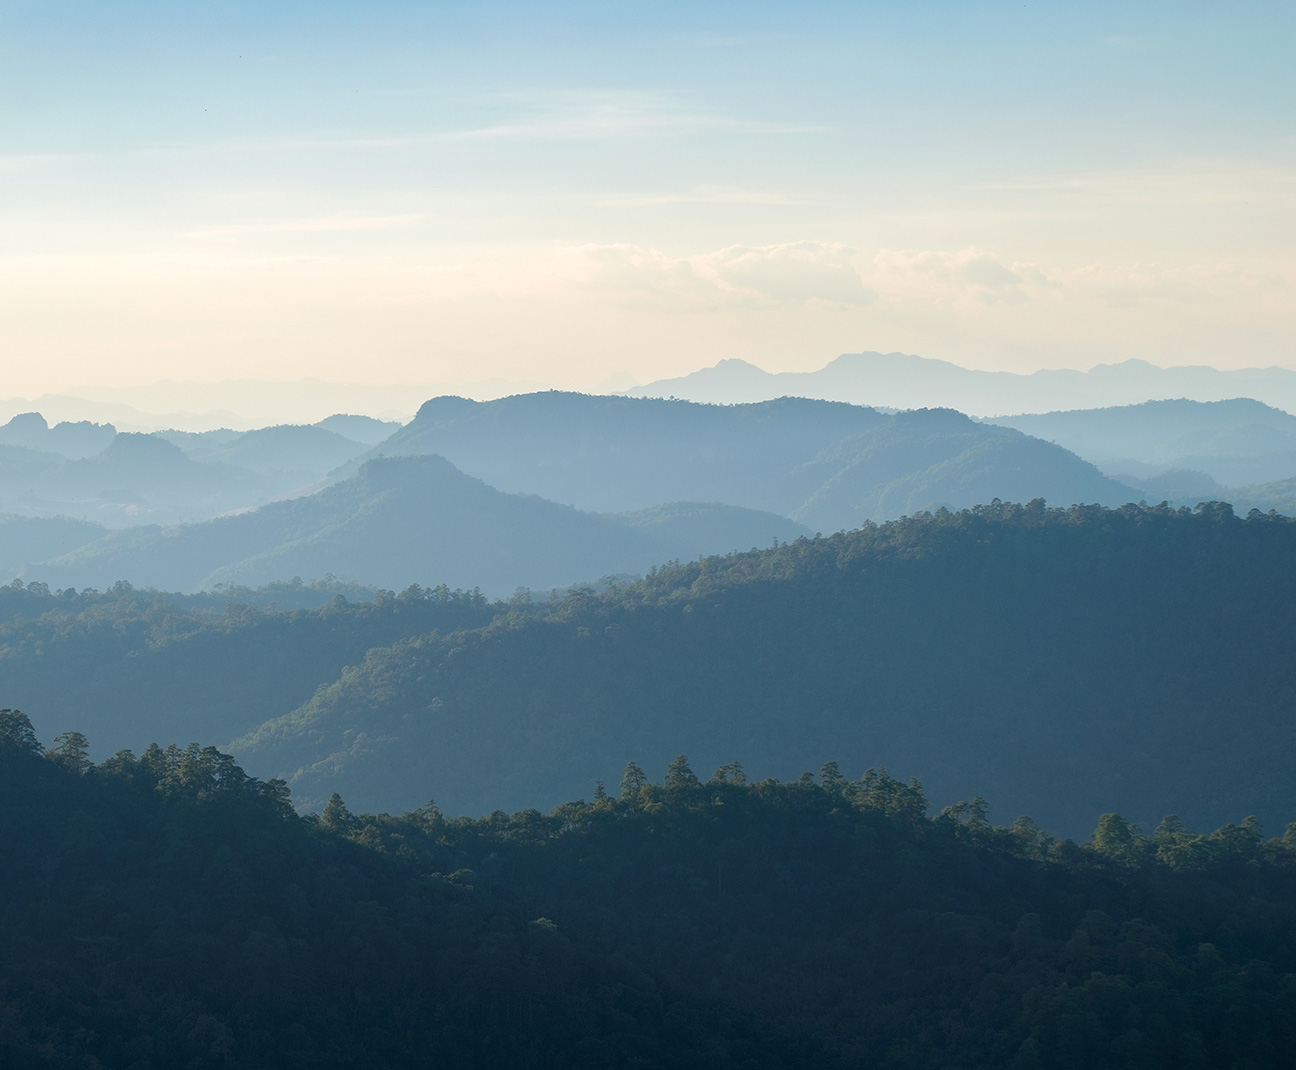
(828, 465)
(1063, 662)
(746, 473)
(414, 519)
(904, 381)
(121, 479)
(1236, 442)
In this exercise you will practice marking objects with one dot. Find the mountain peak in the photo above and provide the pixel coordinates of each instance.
(380, 474)
(447, 406)
(25, 429)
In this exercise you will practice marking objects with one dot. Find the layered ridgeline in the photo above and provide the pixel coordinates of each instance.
(1170, 445)
(1061, 662)
(142, 665)
(167, 910)
(747, 474)
(91, 471)
(414, 518)
(828, 465)
(903, 381)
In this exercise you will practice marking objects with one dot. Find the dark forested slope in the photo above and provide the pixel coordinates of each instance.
(167, 910)
(1059, 660)
(127, 664)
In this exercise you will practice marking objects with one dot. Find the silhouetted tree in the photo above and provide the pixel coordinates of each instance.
(633, 781)
(679, 775)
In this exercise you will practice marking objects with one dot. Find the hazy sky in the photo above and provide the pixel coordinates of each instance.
(423, 192)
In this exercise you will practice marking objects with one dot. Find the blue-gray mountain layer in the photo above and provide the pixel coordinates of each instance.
(828, 465)
(414, 520)
(903, 381)
(1237, 442)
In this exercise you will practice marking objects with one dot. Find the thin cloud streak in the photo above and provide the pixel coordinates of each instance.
(608, 123)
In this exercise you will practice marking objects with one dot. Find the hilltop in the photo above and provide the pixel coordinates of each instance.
(408, 519)
(168, 909)
(828, 465)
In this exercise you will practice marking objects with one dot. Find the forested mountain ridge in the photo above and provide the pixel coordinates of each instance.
(1062, 659)
(1279, 495)
(826, 464)
(404, 519)
(1235, 442)
(137, 663)
(168, 910)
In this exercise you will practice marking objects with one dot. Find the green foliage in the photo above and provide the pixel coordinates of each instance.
(1062, 662)
(17, 734)
(171, 910)
(632, 781)
(72, 750)
(1116, 838)
(335, 815)
(679, 777)
(143, 664)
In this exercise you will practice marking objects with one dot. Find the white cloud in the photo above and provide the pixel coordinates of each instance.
(962, 276)
(793, 272)
(1127, 285)
(757, 277)
(971, 278)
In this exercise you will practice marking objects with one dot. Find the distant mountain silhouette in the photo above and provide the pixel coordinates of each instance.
(295, 453)
(1234, 442)
(73, 440)
(136, 478)
(904, 381)
(364, 429)
(120, 479)
(155, 479)
(827, 464)
(417, 519)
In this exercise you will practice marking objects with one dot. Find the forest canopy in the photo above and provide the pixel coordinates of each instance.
(1064, 662)
(168, 909)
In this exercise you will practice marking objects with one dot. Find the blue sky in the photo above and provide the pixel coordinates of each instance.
(573, 193)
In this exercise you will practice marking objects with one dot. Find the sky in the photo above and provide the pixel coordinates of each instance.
(591, 195)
